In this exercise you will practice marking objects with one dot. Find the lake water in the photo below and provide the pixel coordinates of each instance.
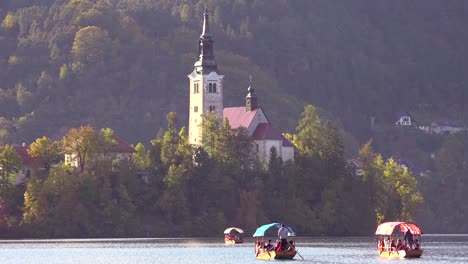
(438, 249)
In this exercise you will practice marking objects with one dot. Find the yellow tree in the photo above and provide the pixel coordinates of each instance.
(45, 151)
(404, 185)
(82, 143)
(10, 163)
(90, 44)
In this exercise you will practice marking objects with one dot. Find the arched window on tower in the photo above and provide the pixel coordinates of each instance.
(214, 87)
(210, 88)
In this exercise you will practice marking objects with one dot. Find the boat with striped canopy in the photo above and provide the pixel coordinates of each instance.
(390, 230)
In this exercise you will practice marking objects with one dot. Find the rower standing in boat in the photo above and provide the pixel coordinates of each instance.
(283, 236)
(409, 238)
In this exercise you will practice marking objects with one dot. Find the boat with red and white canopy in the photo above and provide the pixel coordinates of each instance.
(233, 235)
(406, 233)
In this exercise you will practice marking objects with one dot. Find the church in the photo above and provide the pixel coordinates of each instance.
(206, 94)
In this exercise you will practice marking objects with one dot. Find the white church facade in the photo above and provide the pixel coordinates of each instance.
(206, 94)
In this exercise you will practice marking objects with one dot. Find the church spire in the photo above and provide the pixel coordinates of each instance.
(251, 98)
(206, 62)
(206, 24)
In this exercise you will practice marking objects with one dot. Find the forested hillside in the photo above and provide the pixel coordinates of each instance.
(123, 64)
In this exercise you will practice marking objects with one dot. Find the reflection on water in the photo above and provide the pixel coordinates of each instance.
(438, 249)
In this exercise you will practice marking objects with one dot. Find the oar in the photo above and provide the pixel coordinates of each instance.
(297, 251)
(299, 254)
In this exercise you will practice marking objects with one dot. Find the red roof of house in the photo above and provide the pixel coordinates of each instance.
(23, 153)
(265, 131)
(121, 146)
(239, 117)
(354, 161)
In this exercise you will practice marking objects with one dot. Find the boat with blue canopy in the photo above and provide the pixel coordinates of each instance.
(277, 251)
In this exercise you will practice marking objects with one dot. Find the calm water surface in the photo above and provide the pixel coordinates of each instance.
(438, 249)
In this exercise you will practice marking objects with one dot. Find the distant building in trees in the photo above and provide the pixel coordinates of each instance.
(28, 164)
(354, 167)
(405, 119)
(444, 127)
(206, 94)
(120, 150)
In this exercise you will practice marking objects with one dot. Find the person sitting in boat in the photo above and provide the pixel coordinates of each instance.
(405, 246)
(399, 245)
(392, 245)
(269, 246)
(283, 236)
(381, 245)
(416, 244)
(278, 245)
(387, 243)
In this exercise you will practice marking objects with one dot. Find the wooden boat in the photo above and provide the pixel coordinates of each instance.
(407, 253)
(261, 252)
(277, 255)
(233, 235)
(385, 231)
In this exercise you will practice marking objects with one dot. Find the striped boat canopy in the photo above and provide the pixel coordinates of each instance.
(387, 228)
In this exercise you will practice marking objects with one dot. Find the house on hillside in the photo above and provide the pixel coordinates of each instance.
(206, 95)
(405, 120)
(354, 167)
(28, 164)
(411, 167)
(444, 127)
(120, 150)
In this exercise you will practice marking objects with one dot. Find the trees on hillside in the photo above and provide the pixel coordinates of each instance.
(10, 164)
(82, 142)
(45, 151)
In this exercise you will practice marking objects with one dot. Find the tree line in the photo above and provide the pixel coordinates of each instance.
(172, 188)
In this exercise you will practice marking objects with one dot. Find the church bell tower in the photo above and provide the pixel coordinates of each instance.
(206, 85)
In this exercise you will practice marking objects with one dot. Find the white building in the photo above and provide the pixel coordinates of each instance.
(120, 150)
(405, 120)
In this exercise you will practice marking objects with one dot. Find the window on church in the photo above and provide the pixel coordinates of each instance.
(212, 108)
(195, 109)
(214, 87)
(210, 88)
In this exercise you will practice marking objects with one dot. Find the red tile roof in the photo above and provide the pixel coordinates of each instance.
(23, 153)
(238, 116)
(121, 146)
(265, 131)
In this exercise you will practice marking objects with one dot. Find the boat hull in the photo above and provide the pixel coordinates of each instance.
(277, 255)
(416, 253)
(231, 241)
